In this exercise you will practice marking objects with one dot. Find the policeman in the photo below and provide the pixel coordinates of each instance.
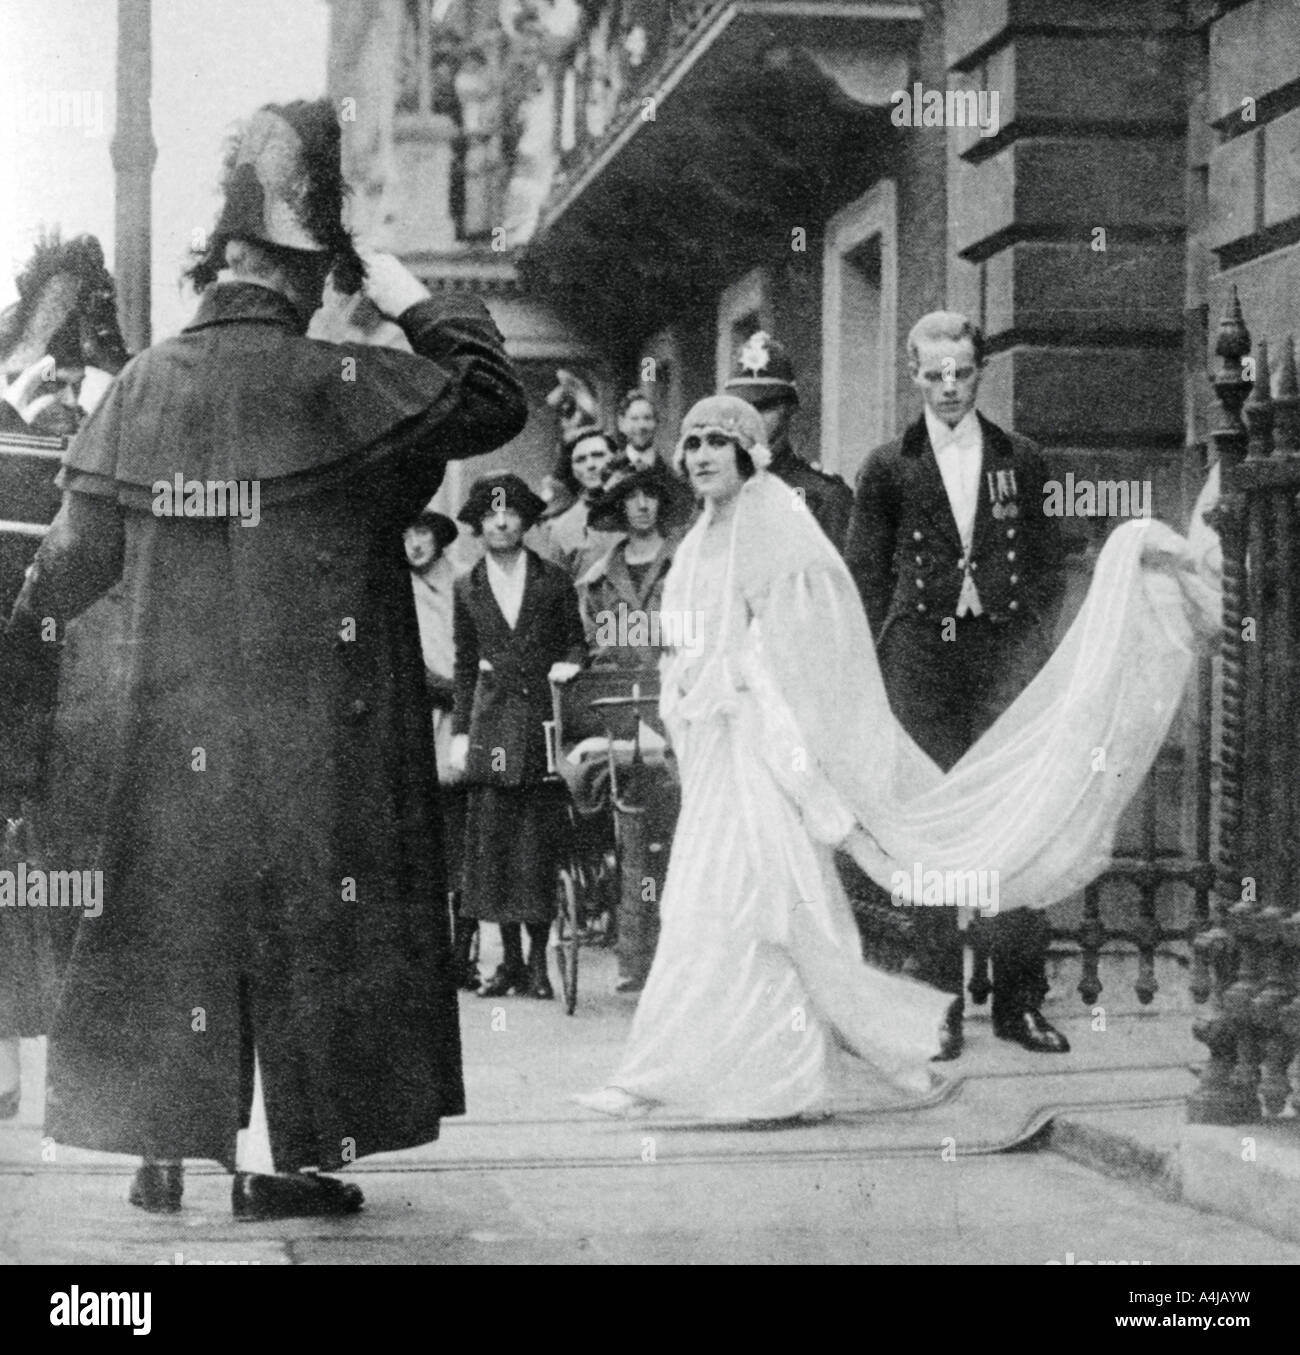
(763, 376)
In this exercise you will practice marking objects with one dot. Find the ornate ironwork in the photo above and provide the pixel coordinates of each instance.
(1250, 945)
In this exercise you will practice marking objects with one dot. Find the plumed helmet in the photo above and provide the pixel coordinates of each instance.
(283, 186)
(66, 307)
(762, 372)
(733, 418)
(501, 489)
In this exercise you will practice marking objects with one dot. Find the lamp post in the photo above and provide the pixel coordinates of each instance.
(133, 153)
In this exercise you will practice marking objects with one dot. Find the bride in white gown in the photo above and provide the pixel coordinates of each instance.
(787, 749)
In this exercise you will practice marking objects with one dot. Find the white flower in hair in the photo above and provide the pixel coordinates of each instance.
(761, 455)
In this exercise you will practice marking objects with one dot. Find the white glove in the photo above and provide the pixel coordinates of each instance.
(391, 285)
(458, 754)
(22, 391)
(563, 672)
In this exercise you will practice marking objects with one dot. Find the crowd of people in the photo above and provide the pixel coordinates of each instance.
(303, 722)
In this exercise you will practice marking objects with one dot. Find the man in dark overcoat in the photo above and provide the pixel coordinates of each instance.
(273, 881)
(517, 629)
(960, 572)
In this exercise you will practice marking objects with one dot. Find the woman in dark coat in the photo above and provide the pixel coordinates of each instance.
(517, 627)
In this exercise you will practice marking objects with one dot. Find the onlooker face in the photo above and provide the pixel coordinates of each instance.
(638, 424)
(503, 530)
(948, 377)
(588, 460)
(776, 419)
(422, 548)
(711, 465)
(641, 511)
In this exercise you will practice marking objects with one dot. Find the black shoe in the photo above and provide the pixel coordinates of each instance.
(470, 982)
(952, 1037)
(1031, 1029)
(629, 985)
(506, 981)
(541, 987)
(292, 1195)
(157, 1187)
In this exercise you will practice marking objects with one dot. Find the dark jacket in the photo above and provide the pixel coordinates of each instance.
(612, 605)
(270, 832)
(904, 548)
(829, 499)
(503, 709)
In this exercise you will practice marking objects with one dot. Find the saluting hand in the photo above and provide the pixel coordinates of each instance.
(391, 285)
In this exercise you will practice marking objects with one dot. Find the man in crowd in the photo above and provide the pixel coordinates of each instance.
(763, 376)
(273, 891)
(569, 540)
(638, 422)
(960, 573)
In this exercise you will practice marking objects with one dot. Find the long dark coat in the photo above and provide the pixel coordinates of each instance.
(512, 819)
(270, 837)
(503, 710)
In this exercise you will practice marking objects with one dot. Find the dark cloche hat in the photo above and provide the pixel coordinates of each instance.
(762, 372)
(283, 186)
(443, 528)
(606, 514)
(501, 489)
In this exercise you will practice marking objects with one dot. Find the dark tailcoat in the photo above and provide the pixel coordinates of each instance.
(512, 833)
(270, 833)
(949, 679)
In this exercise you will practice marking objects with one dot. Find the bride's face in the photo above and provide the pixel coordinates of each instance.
(711, 465)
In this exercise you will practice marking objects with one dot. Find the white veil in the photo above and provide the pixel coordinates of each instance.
(1036, 801)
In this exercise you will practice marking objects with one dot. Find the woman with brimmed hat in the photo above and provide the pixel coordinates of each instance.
(517, 628)
(622, 592)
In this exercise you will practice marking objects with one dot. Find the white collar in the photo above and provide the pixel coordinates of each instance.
(505, 571)
(965, 433)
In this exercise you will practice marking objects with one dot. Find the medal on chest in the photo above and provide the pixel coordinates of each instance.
(1003, 493)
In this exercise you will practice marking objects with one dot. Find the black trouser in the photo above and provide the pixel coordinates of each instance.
(946, 693)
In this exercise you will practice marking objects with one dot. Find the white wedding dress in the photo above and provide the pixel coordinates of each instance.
(785, 742)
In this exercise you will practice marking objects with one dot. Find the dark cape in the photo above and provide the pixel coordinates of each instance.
(268, 820)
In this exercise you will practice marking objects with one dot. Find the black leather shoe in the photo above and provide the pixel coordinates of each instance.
(952, 1038)
(629, 985)
(1032, 1030)
(292, 1195)
(157, 1187)
(541, 987)
(469, 979)
(506, 981)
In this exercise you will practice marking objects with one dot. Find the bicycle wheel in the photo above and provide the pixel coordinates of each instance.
(567, 936)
